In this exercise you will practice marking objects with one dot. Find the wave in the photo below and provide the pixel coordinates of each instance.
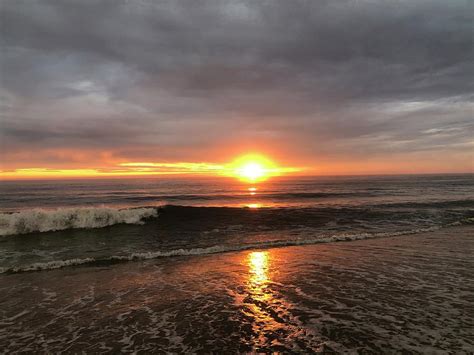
(44, 220)
(66, 218)
(216, 249)
(241, 196)
(431, 204)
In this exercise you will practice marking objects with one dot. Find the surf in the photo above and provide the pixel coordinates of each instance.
(40, 220)
(215, 249)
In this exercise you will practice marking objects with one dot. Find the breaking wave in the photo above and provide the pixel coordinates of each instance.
(216, 249)
(67, 218)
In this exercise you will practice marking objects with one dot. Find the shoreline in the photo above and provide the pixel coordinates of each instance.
(406, 293)
(212, 250)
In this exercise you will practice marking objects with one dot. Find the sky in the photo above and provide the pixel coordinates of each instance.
(331, 87)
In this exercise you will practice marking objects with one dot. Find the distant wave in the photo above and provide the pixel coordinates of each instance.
(216, 249)
(67, 218)
(244, 196)
(449, 203)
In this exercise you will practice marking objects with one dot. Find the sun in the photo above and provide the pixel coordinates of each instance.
(253, 168)
(252, 171)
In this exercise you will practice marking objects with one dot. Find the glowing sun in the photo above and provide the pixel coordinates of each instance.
(252, 171)
(253, 168)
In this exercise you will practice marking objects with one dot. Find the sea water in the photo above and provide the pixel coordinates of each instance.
(54, 224)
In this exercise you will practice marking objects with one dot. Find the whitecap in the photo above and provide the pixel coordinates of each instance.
(39, 220)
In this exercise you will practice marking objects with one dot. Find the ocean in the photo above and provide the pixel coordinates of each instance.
(216, 264)
(51, 224)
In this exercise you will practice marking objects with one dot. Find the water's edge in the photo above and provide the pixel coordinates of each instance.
(118, 259)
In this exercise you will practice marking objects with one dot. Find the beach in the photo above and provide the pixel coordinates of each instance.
(411, 293)
(233, 177)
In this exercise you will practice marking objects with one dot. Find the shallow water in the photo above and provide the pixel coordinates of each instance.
(402, 294)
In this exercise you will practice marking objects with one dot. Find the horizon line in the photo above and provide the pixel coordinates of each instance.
(188, 175)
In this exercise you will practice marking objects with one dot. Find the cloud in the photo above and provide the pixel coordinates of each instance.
(164, 80)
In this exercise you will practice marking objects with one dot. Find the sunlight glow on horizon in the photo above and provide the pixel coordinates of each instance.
(250, 168)
(253, 168)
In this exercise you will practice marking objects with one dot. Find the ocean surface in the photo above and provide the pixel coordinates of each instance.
(53, 224)
(303, 265)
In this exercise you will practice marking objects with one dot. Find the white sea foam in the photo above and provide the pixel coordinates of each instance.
(58, 264)
(65, 218)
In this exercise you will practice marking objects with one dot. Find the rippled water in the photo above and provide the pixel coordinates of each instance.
(47, 225)
(405, 294)
(218, 192)
(215, 265)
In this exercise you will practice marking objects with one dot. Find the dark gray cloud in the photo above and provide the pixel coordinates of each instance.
(178, 79)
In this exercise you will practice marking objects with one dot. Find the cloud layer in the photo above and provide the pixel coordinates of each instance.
(324, 83)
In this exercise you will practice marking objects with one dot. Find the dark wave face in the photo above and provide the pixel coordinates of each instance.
(47, 225)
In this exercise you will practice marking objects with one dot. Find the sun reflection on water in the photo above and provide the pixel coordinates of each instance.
(258, 264)
(273, 325)
(254, 205)
(252, 191)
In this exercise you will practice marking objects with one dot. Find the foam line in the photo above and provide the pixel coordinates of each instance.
(216, 249)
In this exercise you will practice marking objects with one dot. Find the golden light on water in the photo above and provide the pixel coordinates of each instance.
(253, 205)
(258, 288)
(252, 191)
(258, 265)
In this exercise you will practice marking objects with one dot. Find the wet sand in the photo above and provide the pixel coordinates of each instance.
(412, 293)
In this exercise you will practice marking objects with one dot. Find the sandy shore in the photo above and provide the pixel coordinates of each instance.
(411, 293)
